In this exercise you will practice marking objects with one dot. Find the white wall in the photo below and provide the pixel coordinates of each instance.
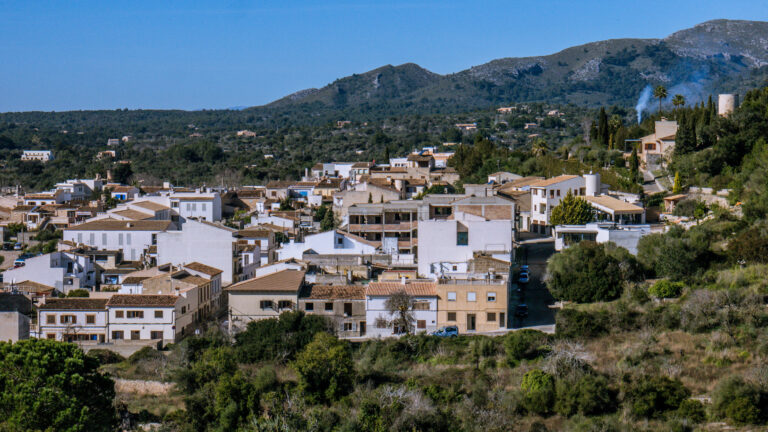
(199, 242)
(145, 325)
(329, 242)
(132, 242)
(51, 269)
(375, 307)
(437, 242)
(537, 200)
(79, 327)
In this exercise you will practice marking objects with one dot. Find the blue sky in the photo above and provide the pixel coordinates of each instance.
(78, 54)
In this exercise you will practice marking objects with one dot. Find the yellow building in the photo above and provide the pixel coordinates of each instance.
(472, 306)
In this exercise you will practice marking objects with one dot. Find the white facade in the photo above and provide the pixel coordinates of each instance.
(64, 271)
(376, 312)
(132, 237)
(326, 243)
(142, 323)
(85, 324)
(208, 244)
(200, 205)
(445, 246)
(546, 194)
(626, 236)
(38, 155)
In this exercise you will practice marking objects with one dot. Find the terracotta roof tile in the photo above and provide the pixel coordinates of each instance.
(411, 288)
(553, 180)
(74, 304)
(335, 292)
(286, 281)
(142, 300)
(119, 225)
(202, 268)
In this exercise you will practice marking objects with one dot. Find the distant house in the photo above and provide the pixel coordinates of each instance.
(246, 133)
(504, 110)
(106, 155)
(332, 242)
(63, 270)
(37, 155)
(15, 310)
(344, 305)
(502, 177)
(263, 297)
(148, 317)
(472, 305)
(111, 142)
(122, 192)
(379, 319)
(73, 320)
(466, 126)
(658, 146)
(626, 236)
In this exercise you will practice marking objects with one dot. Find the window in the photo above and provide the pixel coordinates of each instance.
(348, 309)
(421, 324)
(135, 334)
(285, 304)
(421, 305)
(158, 314)
(175, 204)
(451, 295)
(155, 334)
(451, 316)
(128, 238)
(340, 241)
(265, 304)
(118, 314)
(309, 307)
(90, 319)
(543, 209)
(117, 335)
(551, 193)
(194, 206)
(51, 336)
(455, 268)
(51, 319)
(79, 237)
(381, 323)
(558, 192)
(103, 239)
(120, 239)
(491, 296)
(462, 238)
(183, 310)
(491, 317)
(135, 314)
(329, 307)
(349, 326)
(68, 319)
(471, 296)
(92, 238)
(202, 206)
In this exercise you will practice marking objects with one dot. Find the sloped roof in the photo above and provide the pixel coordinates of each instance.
(74, 304)
(133, 280)
(285, 281)
(553, 180)
(202, 268)
(32, 286)
(133, 214)
(120, 225)
(335, 292)
(149, 205)
(142, 300)
(417, 288)
(614, 204)
(279, 184)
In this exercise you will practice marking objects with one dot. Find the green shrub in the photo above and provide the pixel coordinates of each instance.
(79, 293)
(654, 396)
(739, 401)
(146, 353)
(524, 344)
(590, 395)
(105, 356)
(574, 324)
(692, 410)
(278, 338)
(325, 368)
(666, 289)
(538, 392)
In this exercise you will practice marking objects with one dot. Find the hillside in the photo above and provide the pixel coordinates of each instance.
(713, 56)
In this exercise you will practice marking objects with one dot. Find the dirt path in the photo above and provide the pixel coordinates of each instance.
(156, 388)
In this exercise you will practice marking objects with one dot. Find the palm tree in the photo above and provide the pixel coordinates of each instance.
(678, 100)
(539, 147)
(660, 93)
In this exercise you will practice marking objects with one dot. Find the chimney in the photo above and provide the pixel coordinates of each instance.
(128, 225)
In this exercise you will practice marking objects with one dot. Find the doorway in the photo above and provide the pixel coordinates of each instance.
(471, 322)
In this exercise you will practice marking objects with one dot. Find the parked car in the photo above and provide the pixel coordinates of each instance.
(523, 277)
(17, 246)
(450, 331)
(521, 310)
(524, 268)
(8, 246)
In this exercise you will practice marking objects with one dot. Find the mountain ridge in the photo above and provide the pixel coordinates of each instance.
(712, 56)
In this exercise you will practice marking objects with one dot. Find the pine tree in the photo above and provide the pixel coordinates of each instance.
(370, 198)
(603, 133)
(572, 211)
(329, 221)
(634, 165)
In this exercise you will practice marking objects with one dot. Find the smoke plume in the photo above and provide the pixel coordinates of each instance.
(642, 102)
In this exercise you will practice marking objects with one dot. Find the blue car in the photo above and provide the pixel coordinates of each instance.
(523, 277)
(450, 331)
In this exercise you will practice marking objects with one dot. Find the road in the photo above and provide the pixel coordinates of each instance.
(535, 294)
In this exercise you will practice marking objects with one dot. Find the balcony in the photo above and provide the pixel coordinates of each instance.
(390, 227)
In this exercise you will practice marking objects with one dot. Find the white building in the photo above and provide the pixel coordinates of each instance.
(626, 236)
(37, 155)
(546, 194)
(64, 271)
(210, 244)
(447, 246)
(379, 320)
(148, 317)
(194, 204)
(134, 238)
(332, 242)
(73, 320)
